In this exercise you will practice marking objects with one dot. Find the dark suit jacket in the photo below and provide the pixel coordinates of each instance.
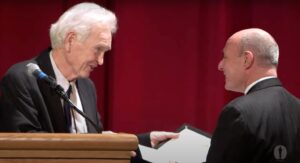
(260, 127)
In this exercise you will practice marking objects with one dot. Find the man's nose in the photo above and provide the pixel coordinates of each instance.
(220, 65)
(100, 59)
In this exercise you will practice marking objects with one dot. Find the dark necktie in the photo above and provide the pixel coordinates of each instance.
(67, 110)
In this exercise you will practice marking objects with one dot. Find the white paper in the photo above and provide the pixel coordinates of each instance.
(190, 147)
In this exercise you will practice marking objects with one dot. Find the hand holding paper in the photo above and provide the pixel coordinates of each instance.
(190, 147)
(159, 136)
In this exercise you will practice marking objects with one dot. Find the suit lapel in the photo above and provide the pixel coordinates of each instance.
(265, 84)
(52, 100)
(88, 104)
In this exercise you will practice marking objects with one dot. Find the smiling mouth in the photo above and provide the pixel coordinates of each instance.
(93, 67)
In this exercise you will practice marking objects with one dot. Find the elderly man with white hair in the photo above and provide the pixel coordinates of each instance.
(79, 40)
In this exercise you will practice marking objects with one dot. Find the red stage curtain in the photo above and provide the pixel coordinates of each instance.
(162, 71)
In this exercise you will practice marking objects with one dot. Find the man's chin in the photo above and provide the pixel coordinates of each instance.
(85, 75)
(228, 88)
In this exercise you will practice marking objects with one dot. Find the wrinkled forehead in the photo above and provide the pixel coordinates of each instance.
(102, 33)
(101, 28)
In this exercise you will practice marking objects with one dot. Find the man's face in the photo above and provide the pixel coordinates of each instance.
(88, 54)
(232, 67)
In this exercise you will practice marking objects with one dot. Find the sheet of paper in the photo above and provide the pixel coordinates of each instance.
(190, 147)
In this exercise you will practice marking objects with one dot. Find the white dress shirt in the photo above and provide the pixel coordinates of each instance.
(78, 122)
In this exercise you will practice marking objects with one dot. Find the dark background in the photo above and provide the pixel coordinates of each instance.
(162, 71)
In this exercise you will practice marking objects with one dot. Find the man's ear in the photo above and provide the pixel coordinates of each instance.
(248, 59)
(69, 40)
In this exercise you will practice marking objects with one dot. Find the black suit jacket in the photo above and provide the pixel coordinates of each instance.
(260, 127)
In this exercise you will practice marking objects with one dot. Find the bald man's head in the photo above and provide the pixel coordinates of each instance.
(260, 43)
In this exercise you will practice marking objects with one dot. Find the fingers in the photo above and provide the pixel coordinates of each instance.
(162, 135)
(158, 136)
(108, 132)
(132, 153)
(172, 135)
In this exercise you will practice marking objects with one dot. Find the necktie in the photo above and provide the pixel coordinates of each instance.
(67, 110)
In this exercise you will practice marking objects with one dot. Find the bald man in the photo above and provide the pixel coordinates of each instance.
(263, 125)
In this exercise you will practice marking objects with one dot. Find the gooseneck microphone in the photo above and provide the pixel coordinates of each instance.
(34, 69)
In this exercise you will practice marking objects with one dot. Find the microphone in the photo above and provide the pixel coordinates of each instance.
(34, 69)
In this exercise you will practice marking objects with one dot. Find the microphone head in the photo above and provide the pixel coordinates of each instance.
(32, 68)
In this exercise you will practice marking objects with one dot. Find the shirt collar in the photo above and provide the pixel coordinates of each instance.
(255, 82)
(60, 79)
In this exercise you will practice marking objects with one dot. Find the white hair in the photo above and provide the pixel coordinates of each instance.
(80, 19)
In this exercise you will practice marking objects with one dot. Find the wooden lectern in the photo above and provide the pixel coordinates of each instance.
(66, 148)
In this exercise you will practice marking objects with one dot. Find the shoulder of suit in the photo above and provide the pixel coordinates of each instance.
(18, 70)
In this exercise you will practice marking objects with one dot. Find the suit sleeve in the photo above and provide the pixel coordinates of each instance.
(230, 139)
(144, 139)
(17, 113)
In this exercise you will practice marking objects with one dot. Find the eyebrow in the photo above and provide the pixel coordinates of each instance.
(103, 47)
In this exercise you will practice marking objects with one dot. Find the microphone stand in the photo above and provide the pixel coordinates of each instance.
(60, 91)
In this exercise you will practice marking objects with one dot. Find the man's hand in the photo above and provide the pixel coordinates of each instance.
(108, 132)
(159, 136)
